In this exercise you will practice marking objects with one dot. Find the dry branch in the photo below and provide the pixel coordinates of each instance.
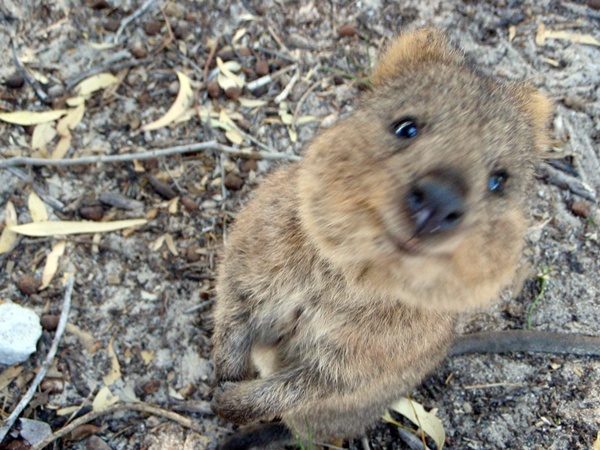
(62, 323)
(153, 154)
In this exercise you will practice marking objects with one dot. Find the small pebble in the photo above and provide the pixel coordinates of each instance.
(50, 322)
(248, 165)
(94, 213)
(96, 443)
(151, 386)
(189, 203)
(162, 188)
(15, 81)
(191, 253)
(347, 30)
(233, 182)
(173, 87)
(261, 67)
(213, 89)
(594, 4)
(20, 330)
(153, 28)
(181, 29)
(28, 284)
(98, 4)
(111, 25)
(582, 208)
(53, 385)
(233, 93)
(56, 90)
(138, 49)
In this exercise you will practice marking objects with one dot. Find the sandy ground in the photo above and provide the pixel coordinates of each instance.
(151, 301)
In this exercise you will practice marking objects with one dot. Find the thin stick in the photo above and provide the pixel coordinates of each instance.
(62, 323)
(154, 154)
(141, 10)
(211, 55)
(302, 99)
(141, 407)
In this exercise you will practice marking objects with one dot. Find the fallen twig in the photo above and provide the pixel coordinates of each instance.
(62, 323)
(141, 407)
(153, 154)
(111, 64)
(141, 10)
(565, 181)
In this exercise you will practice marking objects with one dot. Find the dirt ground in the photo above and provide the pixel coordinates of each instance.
(147, 293)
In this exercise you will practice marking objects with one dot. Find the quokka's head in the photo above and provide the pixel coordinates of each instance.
(421, 192)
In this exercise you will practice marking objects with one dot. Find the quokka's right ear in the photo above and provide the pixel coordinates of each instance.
(538, 110)
(412, 49)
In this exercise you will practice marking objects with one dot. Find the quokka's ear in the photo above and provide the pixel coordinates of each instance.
(538, 110)
(411, 49)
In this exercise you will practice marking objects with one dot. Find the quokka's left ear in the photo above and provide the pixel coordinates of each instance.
(411, 49)
(538, 110)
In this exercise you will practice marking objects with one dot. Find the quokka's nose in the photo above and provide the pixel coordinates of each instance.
(436, 203)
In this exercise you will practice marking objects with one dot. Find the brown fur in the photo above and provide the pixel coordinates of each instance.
(326, 291)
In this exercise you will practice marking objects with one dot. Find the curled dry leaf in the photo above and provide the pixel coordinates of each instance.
(597, 442)
(85, 338)
(95, 83)
(61, 228)
(37, 208)
(227, 70)
(71, 119)
(8, 238)
(183, 102)
(13, 372)
(104, 398)
(42, 135)
(52, 263)
(62, 147)
(171, 244)
(427, 421)
(115, 367)
(31, 118)
(251, 102)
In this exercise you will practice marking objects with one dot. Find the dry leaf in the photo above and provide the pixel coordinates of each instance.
(251, 102)
(127, 394)
(147, 356)
(8, 238)
(101, 45)
(85, 338)
(184, 100)
(115, 367)
(293, 135)
(234, 137)
(597, 442)
(171, 245)
(307, 119)
(9, 375)
(61, 228)
(37, 208)
(426, 421)
(225, 82)
(42, 135)
(71, 119)
(32, 118)
(75, 101)
(512, 32)
(52, 263)
(104, 398)
(62, 147)
(227, 71)
(238, 35)
(542, 34)
(158, 243)
(67, 411)
(173, 205)
(95, 83)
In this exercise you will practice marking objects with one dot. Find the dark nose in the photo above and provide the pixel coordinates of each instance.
(436, 203)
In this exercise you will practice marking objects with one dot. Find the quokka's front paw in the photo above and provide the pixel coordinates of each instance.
(231, 403)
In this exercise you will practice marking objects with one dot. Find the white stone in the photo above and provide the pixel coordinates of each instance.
(20, 330)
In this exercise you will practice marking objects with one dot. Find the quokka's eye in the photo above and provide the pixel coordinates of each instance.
(405, 128)
(497, 181)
